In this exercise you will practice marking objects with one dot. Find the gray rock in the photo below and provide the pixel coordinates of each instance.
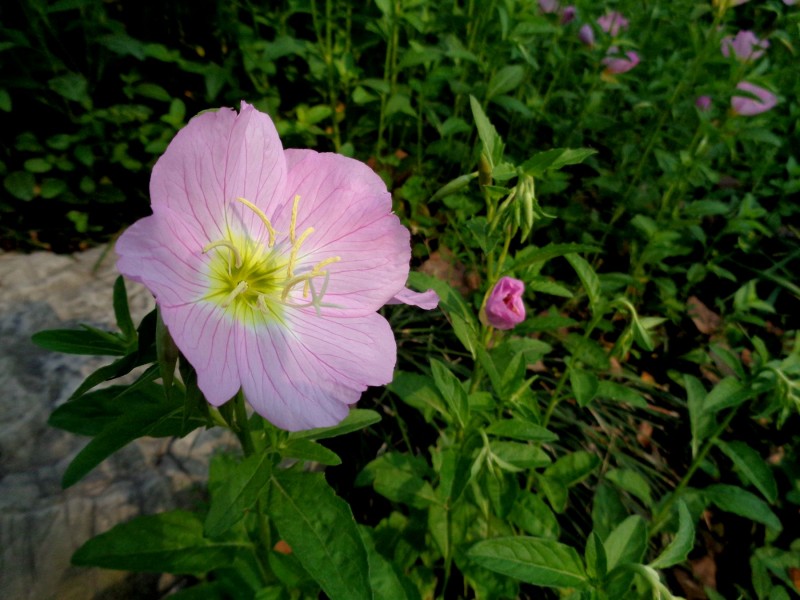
(41, 525)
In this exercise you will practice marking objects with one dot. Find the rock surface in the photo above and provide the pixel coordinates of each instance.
(41, 525)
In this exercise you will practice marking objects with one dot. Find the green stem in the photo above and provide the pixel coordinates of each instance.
(242, 425)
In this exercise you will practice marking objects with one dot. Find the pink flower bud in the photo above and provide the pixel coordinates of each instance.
(703, 103)
(548, 6)
(568, 15)
(586, 35)
(504, 308)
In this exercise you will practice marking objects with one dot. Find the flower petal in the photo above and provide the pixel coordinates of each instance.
(208, 341)
(426, 300)
(350, 210)
(307, 374)
(218, 157)
(165, 253)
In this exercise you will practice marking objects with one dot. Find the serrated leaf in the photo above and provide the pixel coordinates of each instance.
(239, 492)
(170, 542)
(319, 527)
(678, 549)
(537, 561)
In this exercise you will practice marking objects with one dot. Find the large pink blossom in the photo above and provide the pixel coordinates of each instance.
(747, 106)
(746, 46)
(268, 266)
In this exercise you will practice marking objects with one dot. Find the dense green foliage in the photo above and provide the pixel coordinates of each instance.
(646, 410)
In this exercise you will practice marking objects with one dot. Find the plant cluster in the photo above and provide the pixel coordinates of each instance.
(601, 195)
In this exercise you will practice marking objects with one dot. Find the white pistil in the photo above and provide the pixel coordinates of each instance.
(260, 214)
(230, 246)
(240, 288)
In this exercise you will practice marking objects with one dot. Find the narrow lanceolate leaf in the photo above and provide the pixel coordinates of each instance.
(88, 341)
(627, 543)
(680, 546)
(537, 561)
(700, 421)
(122, 311)
(321, 531)
(741, 502)
(238, 494)
(589, 279)
(492, 143)
(170, 542)
(356, 419)
(750, 464)
(386, 580)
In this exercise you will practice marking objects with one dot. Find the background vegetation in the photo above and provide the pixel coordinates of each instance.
(653, 390)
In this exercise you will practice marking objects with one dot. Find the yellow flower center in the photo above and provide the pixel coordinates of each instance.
(256, 283)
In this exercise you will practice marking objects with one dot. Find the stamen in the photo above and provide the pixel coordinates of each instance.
(230, 246)
(317, 270)
(240, 288)
(295, 247)
(295, 204)
(260, 214)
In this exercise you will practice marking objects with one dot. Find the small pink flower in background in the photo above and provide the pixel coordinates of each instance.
(746, 106)
(612, 23)
(268, 266)
(746, 46)
(703, 103)
(549, 6)
(504, 308)
(586, 35)
(616, 64)
(790, 2)
(568, 16)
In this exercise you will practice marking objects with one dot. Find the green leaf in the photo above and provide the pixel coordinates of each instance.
(738, 501)
(631, 482)
(237, 495)
(400, 478)
(322, 533)
(356, 419)
(519, 455)
(505, 80)
(537, 561)
(386, 580)
(122, 310)
(88, 341)
(170, 542)
(587, 351)
(573, 468)
(451, 390)
(490, 140)
(700, 421)
(726, 394)
(533, 516)
(21, 185)
(532, 255)
(420, 392)
(678, 549)
(589, 279)
(310, 451)
(552, 160)
(521, 430)
(620, 393)
(754, 469)
(455, 307)
(37, 165)
(584, 385)
(627, 543)
(595, 555)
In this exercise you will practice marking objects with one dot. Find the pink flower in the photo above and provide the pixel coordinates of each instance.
(616, 64)
(549, 6)
(568, 14)
(745, 46)
(586, 35)
(504, 308)
(268, 266)
(790, 2)
(703, 103)
(746, 106)
(612, 23)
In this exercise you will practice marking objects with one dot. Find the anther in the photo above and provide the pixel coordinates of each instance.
(295, 204)
(260, 214)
